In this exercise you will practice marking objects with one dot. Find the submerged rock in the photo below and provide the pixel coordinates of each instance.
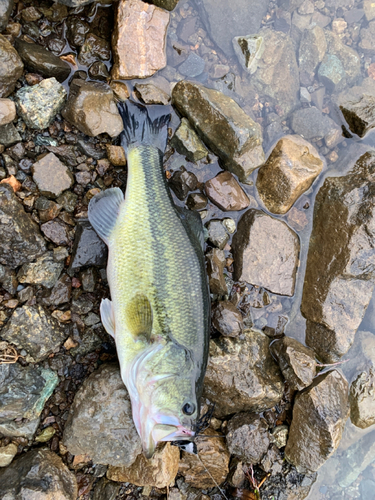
(187, 143)
(356, 459)
(223, 126)
(88, 248)
(217, 234)
(6, 8)
(150, 94)
(311, 123)
(248, 437)
(51, 176)
(139, 40)
(289, 171)
(11, 67)
(242, 375)
(21, 241)
(249, 49)
(312, 50)
(362, 399)
(319, 416)
(265, 252)
(40, 474)
(226, 193)
(339, 278)
(45, 271)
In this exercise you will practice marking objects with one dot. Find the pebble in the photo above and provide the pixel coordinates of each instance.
(217, 233)
(279, 435)
(187, 142)
(7, 453)
(6, 8)
(311, 123)
(61, 292)
(11, 68)
(312, 49)
(150, 94)
(183, 181)
(92, 49)
(7, 111)
(9, 135)
(106, 490)
(362, 399)
(116, 155)
(196, 201)
(45, 271)
(215, 270)
(226, 193)
(249, 50)
(56, 231)
(247, 437)
(193, 66)
(88, 248)
(227, 319)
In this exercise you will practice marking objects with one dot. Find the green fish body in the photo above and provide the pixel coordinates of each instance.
(159, 309)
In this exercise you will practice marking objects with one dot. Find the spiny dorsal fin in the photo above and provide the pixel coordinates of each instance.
(107, 316)
(103, 211)
(139, 316)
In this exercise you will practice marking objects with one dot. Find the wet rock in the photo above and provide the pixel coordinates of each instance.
(225, 20)
(297, 362)
(226, 193)
(38, 474)
(101, 414)
(11, 67)
(65, 153)
(196, 201)
(116, 155)
(362, 399)
(265, 252)
(51, 176)
(227, 319)
(23, 393)
(149, 94)
(312, 50)
(343, 265)
(183, 181)
(229, 132)
(367, 38)
(247, 437)
(332, 73)
(98, 71)
(47, 209)
(120, 90)
(60, 293)
(8, 279)
(92, 109)
(288, 484)
(45, 271)
(7, 111)
(319, 416)
(138, 40)
(39, 60)
(193, 66)
(31, 328)
(215, 456)
(9, 135)
(76, 30)
(187, 143)
(311, 123)
(7, 453)
(56, 231)
(279, 435)
(106, 490)
(289, 171)
(356, 459)
(94, 48)
(21, 241)
(369, 8)
(88, 248)
(215, 270)
(158, 471)
(242, 375)
(165, 4)
(249, 49)
(217, 234)
(6, 8)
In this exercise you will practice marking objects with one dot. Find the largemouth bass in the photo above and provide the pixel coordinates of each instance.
(159, 310)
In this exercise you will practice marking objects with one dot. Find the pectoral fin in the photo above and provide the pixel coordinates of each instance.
(107, 316)
(103, 211)
(139, 316)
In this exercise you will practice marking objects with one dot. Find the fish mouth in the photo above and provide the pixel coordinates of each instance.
(163, 432)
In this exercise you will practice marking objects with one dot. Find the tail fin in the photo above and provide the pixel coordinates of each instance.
(146, 125)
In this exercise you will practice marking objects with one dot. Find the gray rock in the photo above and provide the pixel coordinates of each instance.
(11, 67)
(9, 135)
(215, 271)
(288, 484)
(227, 319)
(356, 459)
(193, 66)
(88, 248)
(343, 266)
(367, 38)
(51, 176)
(249, 49)
(38, 105)
(61, 292)
(265, 252)
(150, 94)
(56, 231)
(39, 60)
(183, 181)
(7, 111)
(332, 73)
(47, 209)
(217, 234)
(248, 437)
(74, 3)
(8, 279)
(21, 241)
(362, 399)
(45, 271)
(68, 200)
(369, 9)
(242, 375)
(312, 50)
(297, 362)
(319, 416)
(230, 133)
(187, 143)
(6, 8)
(106, 490)
(279, 435)
(100, 422)
(31, 328)
(39, 473)
(23, 393)
(311, 123)
(226, 193)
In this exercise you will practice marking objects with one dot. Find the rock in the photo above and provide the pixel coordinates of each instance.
(47, 209)
(288, 484)
(56, 231)
(45, 271)
(11, 67)
(279, 435)
(187, 143)
(319, 416)
(277, 76)
(242, 375)
(76, 31)
(92, 109)
(297, 362)
(215, 271)
(356, 459)
(332, 73)
(9, 135)
(311, 123)
(369, 8)
(165, 4)
(343, 266)
(116, 155)
(106, 490)
(31, 328)
(7, 111)
(39, 473)
(8, 279)
(367, 38)
(101, 414)
(288, 172)
(6, 8)
(230, 133)
(225, 192)
(94, 48)
(88, 248)
(265, 252)
(51, 176)
(98, 71)
(183, 181)
(120, 90)
(21, 241)
(215, 456)
(7, 453)
(227, 319)
(217, 234)
(247, 437)
(362, 399)
(312, 50)
(193, 66)
(23, 394)
(138, 40)
(39, 60)
(158, 471)
(149, 94)
(249, 49)
(224, 20)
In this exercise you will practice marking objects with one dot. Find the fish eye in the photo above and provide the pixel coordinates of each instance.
(188, 408)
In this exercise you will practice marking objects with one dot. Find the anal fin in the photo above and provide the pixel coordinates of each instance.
(139, 316)
(107, 316)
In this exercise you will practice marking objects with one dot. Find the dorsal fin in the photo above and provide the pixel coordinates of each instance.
(103, 211)
(139, 316)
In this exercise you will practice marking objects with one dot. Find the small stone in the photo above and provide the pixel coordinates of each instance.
(8, 279)
(45, 435)
(6, 8)
(88, 248)
(138, 40)
(217, 234)
(116, 155)
(150, 94)
(312, 50)
(227, 319)
(183, 181)
(120, 90)
(45, 271)
(362, 399)
(305, 96)
(249, 49)
(68, 201)
(166, 4)
(11, 67)
(220, 70)
(331, 72)
(7, 111)
(280, 435)
(229, 225)
(7, 453)
(225, 192)
(215, 271)
(56, 231)
(9, 135)
(13, 182)
(193, 66)
(369, 8)
(88, 279)
(247, 437)
(339, 25)
(353, 15)
(187, 143)
(98, 71)
(196, 201)
(311, 123)
(367, 38)
(61, 292)
(94, 48)
(106, 490)
(307, 7)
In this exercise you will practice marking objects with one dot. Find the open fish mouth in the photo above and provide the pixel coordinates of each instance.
(163, 432)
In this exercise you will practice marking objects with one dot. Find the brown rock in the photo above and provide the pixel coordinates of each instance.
(138, 40)
(248, 437)
(11, 67)
(51, 176)
(149, 94)
(158, 471)
(289, 171)
(226, 193)
(362, 399)
(319, 416)
(7, 111)
(116, 155)
(265, 252)
(214, 455)
(215, 270)
(227, 319)
(120, 90)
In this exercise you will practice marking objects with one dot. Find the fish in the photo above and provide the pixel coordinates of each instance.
(159, 311)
